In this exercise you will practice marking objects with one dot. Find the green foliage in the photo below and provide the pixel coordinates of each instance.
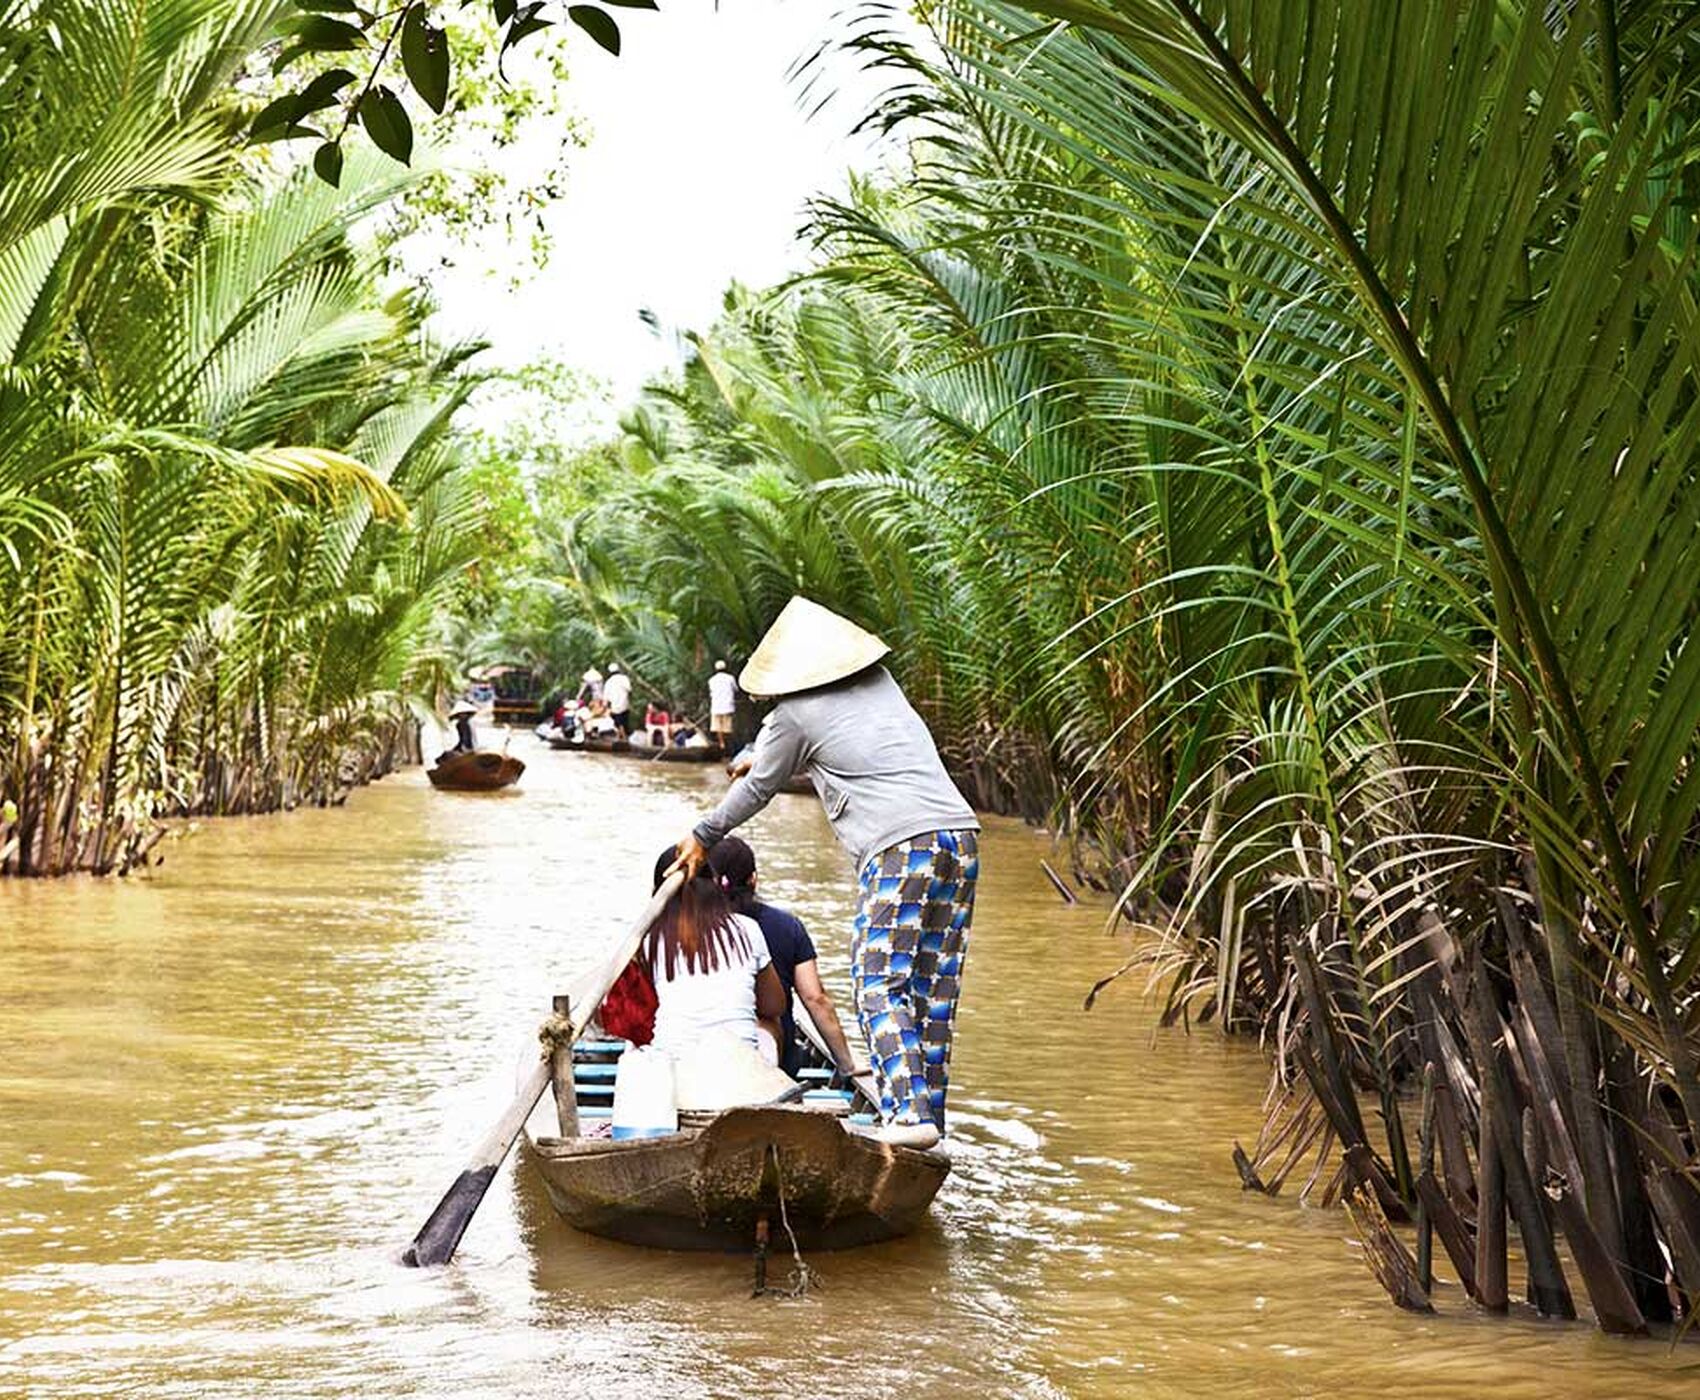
(385, 120)
(229, 505)
(499, 155)
(1267, 433)
(598, 24)
(425, 58)
(409, 48)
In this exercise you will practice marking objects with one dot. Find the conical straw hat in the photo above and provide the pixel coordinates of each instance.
(808, 645)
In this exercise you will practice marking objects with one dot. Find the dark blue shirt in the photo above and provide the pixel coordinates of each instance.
(788, 944)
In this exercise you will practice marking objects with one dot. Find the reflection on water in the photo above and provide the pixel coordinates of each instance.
(230, 1090)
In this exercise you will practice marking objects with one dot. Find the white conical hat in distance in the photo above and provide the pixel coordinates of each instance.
(807, 646)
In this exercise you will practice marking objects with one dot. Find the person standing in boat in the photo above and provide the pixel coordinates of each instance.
(617, 691)
(722, 705)
(733, 865)
(461, 716)
(843, 720)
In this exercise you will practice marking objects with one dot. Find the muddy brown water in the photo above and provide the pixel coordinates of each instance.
(229, 1091)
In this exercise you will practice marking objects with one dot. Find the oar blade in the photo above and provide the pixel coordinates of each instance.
(439, 1236)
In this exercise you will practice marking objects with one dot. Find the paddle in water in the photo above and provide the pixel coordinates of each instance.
(440, 1235)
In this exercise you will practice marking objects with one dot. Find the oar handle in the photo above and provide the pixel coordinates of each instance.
(440, 1235)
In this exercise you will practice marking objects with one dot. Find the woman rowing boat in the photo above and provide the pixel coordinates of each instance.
(842, 719)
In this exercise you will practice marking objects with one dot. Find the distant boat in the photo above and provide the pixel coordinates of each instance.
(479, 771)
(509, 693)
(624, 748)
(680, 753)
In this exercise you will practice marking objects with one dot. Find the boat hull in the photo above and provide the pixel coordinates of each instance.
(475, 772)
(624, 748)
(711, 754)
(707, 1188)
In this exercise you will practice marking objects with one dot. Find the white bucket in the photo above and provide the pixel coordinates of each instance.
(643, 1094)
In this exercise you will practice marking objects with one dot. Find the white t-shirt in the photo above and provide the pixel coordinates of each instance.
(695, 1003)
(617, 691)
(722, 693)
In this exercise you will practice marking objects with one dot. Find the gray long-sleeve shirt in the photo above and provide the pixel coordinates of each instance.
(870, 758)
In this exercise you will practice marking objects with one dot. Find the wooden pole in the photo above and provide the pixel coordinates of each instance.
(1059, 884)
(1644, 1266)
(762, 1229)
(1455, 1167)
(1454, 1233)
(561, 1075)
(1544, 1128)
(440, 1235)
(1615, 1307)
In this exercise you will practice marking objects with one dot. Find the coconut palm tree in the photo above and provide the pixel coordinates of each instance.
(214, 429)
(1279, 420)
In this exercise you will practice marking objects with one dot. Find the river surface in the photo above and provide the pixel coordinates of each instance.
(230, 1089)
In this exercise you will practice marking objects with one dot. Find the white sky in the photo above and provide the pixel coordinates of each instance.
(699, 163)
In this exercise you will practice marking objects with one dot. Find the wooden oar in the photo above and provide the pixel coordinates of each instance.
(440, 1235)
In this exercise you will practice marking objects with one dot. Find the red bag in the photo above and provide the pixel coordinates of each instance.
(628, 1011)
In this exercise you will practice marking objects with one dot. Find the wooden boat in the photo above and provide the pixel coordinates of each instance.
(516, 691)
(558, 740)
(720, 1182)
(624, 748)
(708, 753)
(480, 771)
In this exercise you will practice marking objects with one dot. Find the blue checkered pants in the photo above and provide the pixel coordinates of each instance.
(911, 937)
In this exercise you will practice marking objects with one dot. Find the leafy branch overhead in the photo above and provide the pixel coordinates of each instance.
(398, 49)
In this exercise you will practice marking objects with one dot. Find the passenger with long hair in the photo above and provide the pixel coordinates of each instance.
(713, 975)
(733, 865)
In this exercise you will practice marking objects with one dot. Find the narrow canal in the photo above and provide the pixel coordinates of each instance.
(230, 1090)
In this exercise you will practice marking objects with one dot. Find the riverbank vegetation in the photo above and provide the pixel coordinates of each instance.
(1267, 434)
(229, 503)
